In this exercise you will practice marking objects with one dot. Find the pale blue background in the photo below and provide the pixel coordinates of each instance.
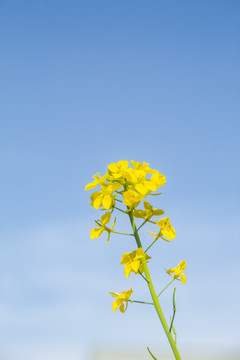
(87, 83)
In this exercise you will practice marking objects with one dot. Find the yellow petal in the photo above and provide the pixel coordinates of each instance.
(150, 186)
(166, 228)
(116, 186)
(126, 294)
(108, 238)
(139, 254)
(95, 233)
(147, 205)
(121, 308)
(97, 201)
(115, 305)
(125, 258)
(113, 167)
(107, 202)
(182, 265)
(158, 179)
(183, 278)
(94, 195)
(106, 218)
(91, 185)
(135, 265)
(123, 164)
(127, 270)
(158, 212)
(113, 223)
(139, 214)
(141, 189)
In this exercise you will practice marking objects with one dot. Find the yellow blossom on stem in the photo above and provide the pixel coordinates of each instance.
(142, 166)
(145, 186)
(95, 233)
(157, 179)
(148, 212)
(97, 180)
(133, 177)
(134, 261)
(132, 199)
(118, 169)
(105, 196)
(178, 272)
(124, 296)
(166, 230)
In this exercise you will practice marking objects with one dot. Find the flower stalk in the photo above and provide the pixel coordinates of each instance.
(130, 187)
(154, 295)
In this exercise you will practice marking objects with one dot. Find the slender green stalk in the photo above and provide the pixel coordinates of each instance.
(151, 354)
(142, 276)
(142, 225)
(175, 334)
(140, 302)
(166, 287)
(154, 295)
(174, 310)
(116, 232)
(150, 245)
(119, 209)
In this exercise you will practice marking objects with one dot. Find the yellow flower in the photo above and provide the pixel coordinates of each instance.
(132, 178)
(157, 179)
(134, 261)
(132, 199)
(117, 169)
(178, 272)
(166, 230)
(145, 186)
(124, 296)
(138, 178)
(144, 167)
(148, 212)
(95, 233)
(105, 197)
(97, 180)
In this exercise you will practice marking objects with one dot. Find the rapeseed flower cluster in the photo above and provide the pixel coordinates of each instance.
(127, 185)
(135, 183)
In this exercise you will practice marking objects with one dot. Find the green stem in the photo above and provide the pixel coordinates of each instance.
(151, 245)
(151, 354)
(154, 295)
(116, 232)
(142, 276)
(140, 302)
(166, 287)
(119, 209)
(118, 200)
(174, 310)
(142, 225)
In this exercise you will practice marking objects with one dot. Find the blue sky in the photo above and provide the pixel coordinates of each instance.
(84, 84)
